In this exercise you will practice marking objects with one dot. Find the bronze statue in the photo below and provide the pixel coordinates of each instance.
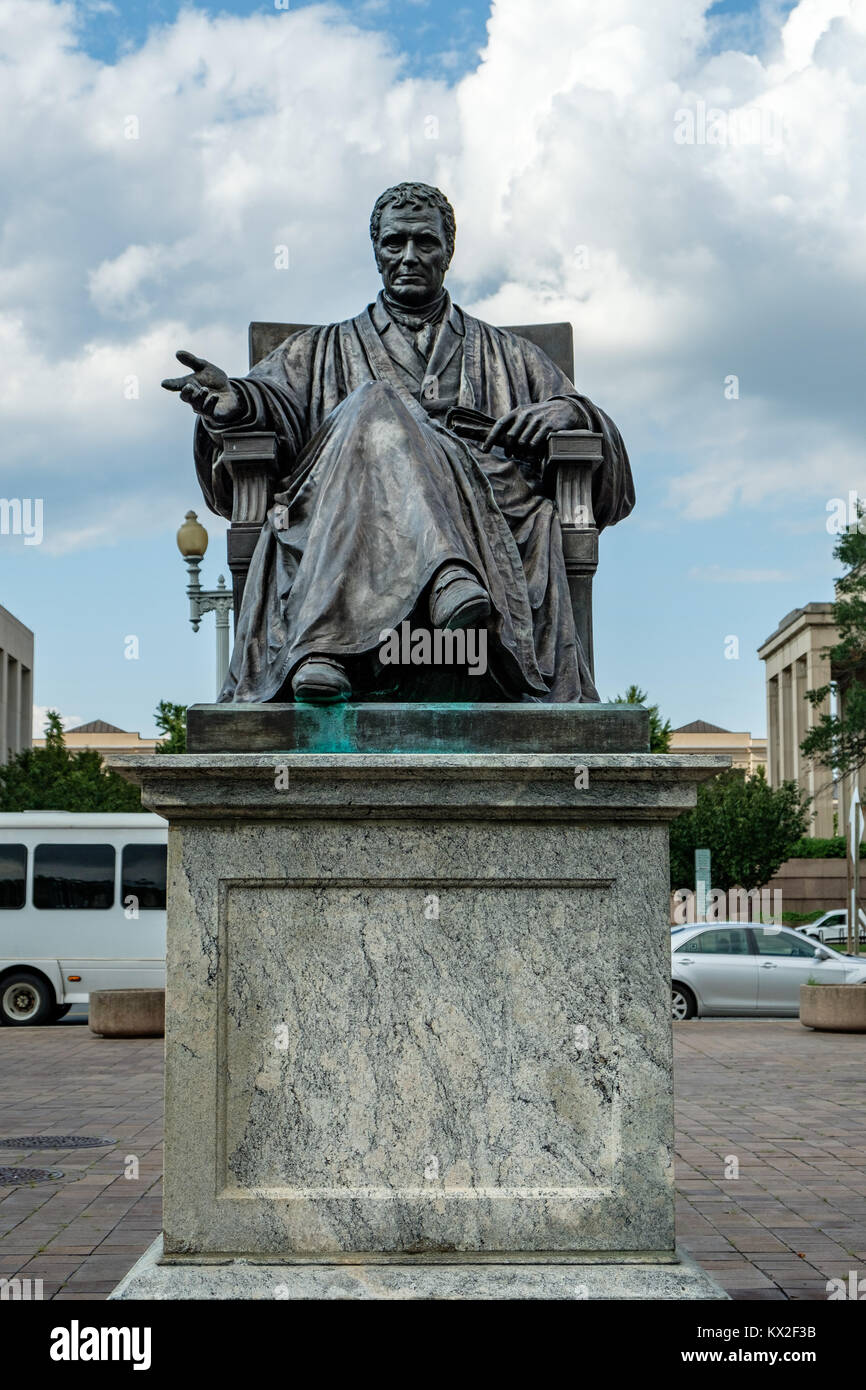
(392, 502)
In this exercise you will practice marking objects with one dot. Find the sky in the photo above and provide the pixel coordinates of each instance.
(683, 182)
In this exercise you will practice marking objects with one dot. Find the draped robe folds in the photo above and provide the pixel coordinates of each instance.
(373, 495)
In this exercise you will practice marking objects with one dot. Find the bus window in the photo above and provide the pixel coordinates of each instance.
(142, 876)
(73, 876)
(13, 875)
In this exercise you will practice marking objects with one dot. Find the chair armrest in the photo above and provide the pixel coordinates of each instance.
(251, 460)
(572, 457)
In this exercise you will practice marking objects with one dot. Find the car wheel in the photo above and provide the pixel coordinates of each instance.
(683, 1004)
(26, 1000)
(61, 1011)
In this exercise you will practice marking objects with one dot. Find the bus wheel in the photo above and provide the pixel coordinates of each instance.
(25, 999)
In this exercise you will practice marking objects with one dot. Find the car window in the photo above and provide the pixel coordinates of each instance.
(13, 875)
(783, 943)
(73, 876)
(719, 941)
(143, 877)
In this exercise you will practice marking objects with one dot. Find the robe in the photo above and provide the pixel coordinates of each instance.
(373, 495)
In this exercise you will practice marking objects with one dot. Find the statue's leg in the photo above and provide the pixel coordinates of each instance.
(535, 528)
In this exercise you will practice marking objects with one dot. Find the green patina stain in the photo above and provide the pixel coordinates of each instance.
(334, 728)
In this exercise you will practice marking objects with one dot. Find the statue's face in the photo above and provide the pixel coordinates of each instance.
(412, 254)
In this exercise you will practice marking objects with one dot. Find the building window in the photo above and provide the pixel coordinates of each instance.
(13, 875)
(143, 876)
(73, 876)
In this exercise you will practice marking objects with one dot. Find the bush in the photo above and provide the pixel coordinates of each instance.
(833, 848)
(749, 828)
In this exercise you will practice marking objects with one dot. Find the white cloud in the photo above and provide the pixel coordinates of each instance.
(678, 264)
(40, 720)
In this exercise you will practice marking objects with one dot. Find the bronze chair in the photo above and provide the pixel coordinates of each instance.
(250, 458)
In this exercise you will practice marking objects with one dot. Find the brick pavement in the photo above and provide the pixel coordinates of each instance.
(789, 1105)
(81, 1233)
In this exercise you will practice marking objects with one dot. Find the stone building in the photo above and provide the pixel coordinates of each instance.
(104, 738)
(745, 750)
(797, 659)
(16, 686)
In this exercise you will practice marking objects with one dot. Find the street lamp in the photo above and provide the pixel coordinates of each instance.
(192, 541)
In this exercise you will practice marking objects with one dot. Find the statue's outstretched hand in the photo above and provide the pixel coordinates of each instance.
(207, 389)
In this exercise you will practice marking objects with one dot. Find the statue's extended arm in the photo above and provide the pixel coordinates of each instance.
(263, 401)
(207, 388)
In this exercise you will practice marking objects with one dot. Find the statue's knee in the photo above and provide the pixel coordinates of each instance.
(375, 390)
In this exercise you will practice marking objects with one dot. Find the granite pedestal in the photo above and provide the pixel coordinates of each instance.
(418, 1036)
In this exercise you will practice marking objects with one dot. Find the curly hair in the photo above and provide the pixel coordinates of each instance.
(405, 194)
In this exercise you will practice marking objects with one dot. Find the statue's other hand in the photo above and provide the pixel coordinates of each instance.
(525, 430)
(207, 389)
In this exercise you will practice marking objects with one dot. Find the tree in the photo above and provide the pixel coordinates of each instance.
(839, 741)
(749, 827)
(171, 720)
(54, 779)
(660, 733)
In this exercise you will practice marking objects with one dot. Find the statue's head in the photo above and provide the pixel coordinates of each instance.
(412, 230)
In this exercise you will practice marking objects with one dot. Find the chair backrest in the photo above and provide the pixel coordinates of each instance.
(556, 339)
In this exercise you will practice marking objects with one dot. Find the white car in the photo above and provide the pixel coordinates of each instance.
(833, 926)
(745, 969)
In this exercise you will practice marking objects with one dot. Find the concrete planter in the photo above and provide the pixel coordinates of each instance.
(127, 1013)
(833, 1008)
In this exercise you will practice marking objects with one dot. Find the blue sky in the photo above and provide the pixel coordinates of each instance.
(680, 264)
(439, 38)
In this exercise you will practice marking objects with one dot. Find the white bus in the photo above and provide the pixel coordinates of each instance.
(82, 907)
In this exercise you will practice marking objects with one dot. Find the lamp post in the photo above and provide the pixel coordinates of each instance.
(192, 540)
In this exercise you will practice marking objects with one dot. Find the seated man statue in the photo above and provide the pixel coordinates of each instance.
(383, 511)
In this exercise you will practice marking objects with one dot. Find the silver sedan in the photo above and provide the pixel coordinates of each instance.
(728, 968)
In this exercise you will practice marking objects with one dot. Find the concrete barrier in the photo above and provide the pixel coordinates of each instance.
(127, 1013)
(833, 1008)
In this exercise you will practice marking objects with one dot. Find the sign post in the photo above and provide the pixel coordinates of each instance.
(702, 883)
(855, 833)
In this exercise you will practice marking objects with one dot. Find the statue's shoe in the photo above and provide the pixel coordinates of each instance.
(457, 599)
(321, 681)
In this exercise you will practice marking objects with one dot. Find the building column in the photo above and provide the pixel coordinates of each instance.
(25, 712)
(3, 689)
(820, 779)
(786, 732)
(773, 731)
(13, 705)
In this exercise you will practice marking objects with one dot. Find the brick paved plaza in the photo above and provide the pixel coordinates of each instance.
(785, 1103)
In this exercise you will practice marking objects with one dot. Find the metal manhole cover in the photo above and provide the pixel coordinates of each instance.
(54, 1141)
(12, 1177)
